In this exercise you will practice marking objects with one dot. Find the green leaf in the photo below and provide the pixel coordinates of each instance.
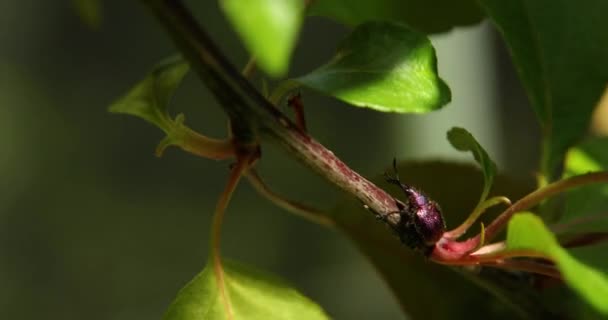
(89, 11)
(526, 231)
(426, 16)
(149, 99)
(559, 48)
(269, 29)
(462, 140)
(420, 285)
(253, 295)
(383, 66)
(586, 207)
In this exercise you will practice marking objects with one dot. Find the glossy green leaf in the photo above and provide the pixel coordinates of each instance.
(253, 295)
(89, 11)
(149, 99)
(527, 231)
(269, 29)
(462, 140)
(426, 16)
(420, 285)
(586, 207)
(559, 48)
(385, 66)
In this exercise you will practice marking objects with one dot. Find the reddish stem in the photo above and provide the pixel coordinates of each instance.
(302, 210)
(295, 102)
(585, 239)
(541, 194)
(449, 251)
(252, 115)
(526, 266)
(216, 227)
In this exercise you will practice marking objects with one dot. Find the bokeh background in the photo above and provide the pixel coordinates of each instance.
(93, 226)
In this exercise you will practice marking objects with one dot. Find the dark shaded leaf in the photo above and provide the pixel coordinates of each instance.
(426, 290)
(427, 16)
(559, 48)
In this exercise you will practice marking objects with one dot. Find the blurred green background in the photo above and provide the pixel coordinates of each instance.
(93, 226)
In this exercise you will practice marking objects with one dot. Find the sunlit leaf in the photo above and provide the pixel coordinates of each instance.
(253, 295)
(426, 16)
(269, 29)
(559, 48)
(462, 140)
(383, 66)
(527, 231)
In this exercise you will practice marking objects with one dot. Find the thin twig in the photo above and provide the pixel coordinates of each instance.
(216, 227)
(564, 226)
(450, 250)
(251, 114)
(585, 239)
(491, 257)
(527, 266)
(306, 212)
(477, 212)
(541, 194)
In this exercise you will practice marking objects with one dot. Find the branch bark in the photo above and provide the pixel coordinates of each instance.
(253, 116)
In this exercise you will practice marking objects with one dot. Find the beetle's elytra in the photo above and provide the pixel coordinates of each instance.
(421, 223)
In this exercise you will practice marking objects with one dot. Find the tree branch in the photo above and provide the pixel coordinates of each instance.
(252, 115)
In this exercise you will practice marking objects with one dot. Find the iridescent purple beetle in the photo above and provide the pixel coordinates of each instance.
(421, 223)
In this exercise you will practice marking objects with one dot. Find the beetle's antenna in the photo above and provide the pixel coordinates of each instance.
(395, 169)
(394, 178)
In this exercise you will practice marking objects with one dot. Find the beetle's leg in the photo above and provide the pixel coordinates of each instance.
(394, 178)
(295, 101)
(377, 215)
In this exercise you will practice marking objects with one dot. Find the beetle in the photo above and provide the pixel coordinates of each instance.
(421, 222)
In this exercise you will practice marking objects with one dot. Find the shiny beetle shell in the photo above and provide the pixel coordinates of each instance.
(421, 222)
(428, 219)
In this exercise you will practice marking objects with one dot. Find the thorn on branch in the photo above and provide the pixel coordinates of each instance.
(295, 101)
